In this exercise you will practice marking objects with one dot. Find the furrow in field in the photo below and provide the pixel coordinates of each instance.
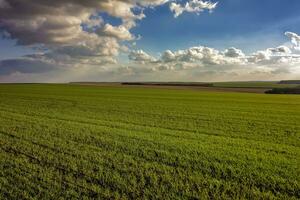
(59, 167)
(182, 133)
(122, 150)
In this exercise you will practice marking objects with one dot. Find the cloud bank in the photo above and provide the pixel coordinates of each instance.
(201, 60)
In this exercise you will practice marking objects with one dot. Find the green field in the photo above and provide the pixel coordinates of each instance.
(96, 142)
(254, 84)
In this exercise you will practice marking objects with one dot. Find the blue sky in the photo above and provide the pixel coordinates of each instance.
(247, 24)
(251, 27)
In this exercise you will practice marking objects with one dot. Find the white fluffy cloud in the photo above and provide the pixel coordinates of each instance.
(295, 39)
(119, 32)
(234, 53)
(197, 57)
(193, 6)
(140, 56)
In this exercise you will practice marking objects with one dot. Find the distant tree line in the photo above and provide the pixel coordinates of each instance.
(169, 84)
(284, 91)
(290, 82)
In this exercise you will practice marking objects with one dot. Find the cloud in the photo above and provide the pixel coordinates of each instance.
(271, 56)
(140, 56)
(4, 4)
(198, 56)
(295, 39)
(25, 65)
(61, 22)
(271, 62)
(234, 53)
(119, 32)
(72, 31)
(193, 6)
(199, 63)
(280, 50)
(71, 36)
(151, 2)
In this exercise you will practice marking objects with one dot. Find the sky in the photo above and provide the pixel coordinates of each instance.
(149, 40)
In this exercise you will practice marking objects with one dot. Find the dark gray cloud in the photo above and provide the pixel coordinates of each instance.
(24, 65)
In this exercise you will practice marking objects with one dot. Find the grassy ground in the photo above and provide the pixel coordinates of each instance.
(93, 142)
(254, 84)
